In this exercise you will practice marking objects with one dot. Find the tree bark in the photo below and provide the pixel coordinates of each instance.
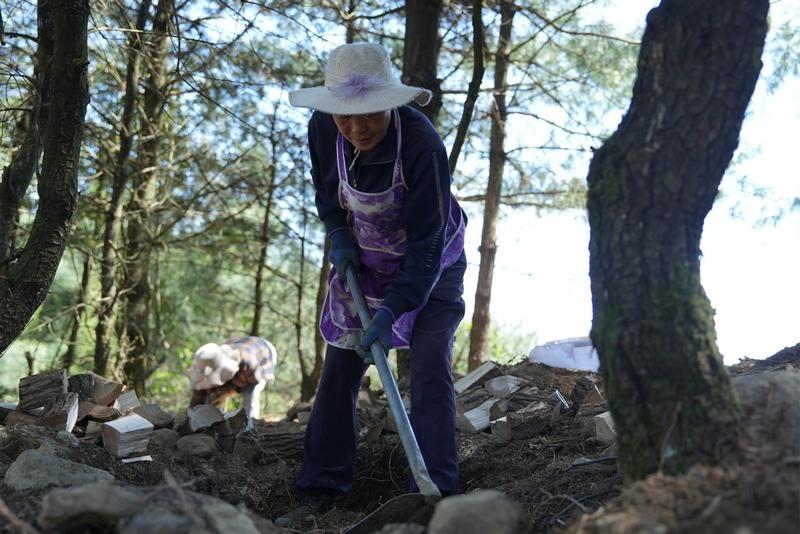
(18, 174)
(111, 231)
(137, 308)
(651, 185)
(28, 279)
(474, 84)
(481, 320)
(421, 51)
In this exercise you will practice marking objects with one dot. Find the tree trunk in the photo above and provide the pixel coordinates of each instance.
(28, 279)
(258, 307)
(421, 51)
(108, 262)
(479, 335)
(474, 84)
(308, 379)
(319, 341)
(650, 187)
(69, 356)
(18, 174)
(137, 310)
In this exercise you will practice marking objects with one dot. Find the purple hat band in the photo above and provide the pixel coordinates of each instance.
(356, 85)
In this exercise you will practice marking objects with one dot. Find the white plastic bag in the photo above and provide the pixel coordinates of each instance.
(572, 353)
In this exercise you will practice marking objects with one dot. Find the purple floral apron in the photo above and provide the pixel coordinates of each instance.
(379, 227)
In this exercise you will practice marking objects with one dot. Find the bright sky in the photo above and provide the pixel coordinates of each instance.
(750, 270)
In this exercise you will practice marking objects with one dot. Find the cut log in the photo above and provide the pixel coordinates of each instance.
(42, 390)
(5, 409)
(62, 414)
(476, 377)
(476, 419)
(127, 402)
(503, 386)
(95, 412)
(203, 416)
(95, 388)
(154, 414)
(604, 428)
(523, 424)
(593, 403)
(517, 401)
(472, 398)
(127, 435)
(64, 407)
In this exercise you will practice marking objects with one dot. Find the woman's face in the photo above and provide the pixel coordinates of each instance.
(364, 131)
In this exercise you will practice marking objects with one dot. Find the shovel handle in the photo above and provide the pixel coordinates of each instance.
(407, 438)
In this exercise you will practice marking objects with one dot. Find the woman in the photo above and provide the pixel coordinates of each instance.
(382, 184)
(241, 365)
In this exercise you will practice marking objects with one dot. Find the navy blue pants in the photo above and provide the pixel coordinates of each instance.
(330, 441)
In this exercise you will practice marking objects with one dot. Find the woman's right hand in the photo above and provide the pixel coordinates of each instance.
(344, 251)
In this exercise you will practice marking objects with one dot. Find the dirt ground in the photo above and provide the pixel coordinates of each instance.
(563, 478)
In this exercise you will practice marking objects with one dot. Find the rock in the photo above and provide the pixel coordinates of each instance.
(127, 402)
(303, 417)
(604, 428)
(247, 448)
(771, 403)
(14, 442)
(164, 438)
(91, 504)
(203, 416)
(232, 423)
(67, 438)
(223, 518)
(402, 528)
(161, 522)
(296, 408)
(154, 414)
(200, 445)
(35, 469)
(480, 512)
(5, 409)
(54, 448)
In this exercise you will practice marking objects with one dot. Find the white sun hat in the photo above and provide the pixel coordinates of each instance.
(358, 79)
(213, 366)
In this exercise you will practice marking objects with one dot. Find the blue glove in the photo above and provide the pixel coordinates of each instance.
(380, 330)
(344, 251)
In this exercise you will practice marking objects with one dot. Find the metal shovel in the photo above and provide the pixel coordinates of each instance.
(411, 507)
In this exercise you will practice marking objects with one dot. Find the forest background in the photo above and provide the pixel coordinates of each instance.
(196, 221)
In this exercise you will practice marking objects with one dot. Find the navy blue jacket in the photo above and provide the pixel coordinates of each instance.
(427, 176)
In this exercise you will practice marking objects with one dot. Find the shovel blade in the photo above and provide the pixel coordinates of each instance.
(408, 508)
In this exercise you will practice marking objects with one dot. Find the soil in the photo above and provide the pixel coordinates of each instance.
(564, 479)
